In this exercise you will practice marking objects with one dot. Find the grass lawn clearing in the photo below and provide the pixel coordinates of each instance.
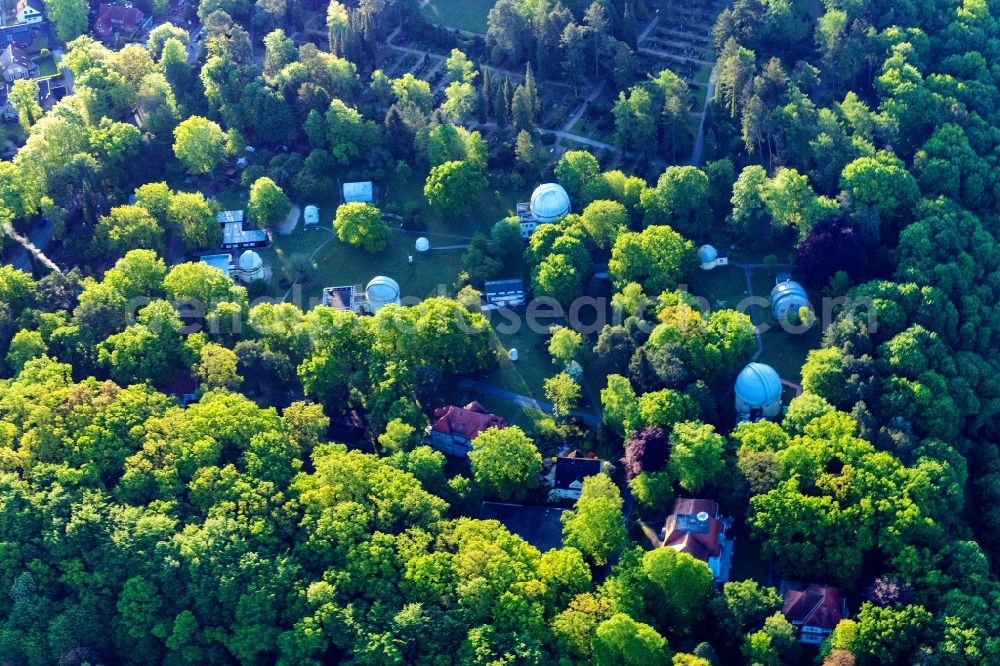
(703, 75)
(467, 15)
(46, 66)
(336, 263)
(527, 375)
(723, 287)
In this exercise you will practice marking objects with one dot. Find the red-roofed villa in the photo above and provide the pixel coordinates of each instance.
(454, 428)
(814, 611)
(696, 528)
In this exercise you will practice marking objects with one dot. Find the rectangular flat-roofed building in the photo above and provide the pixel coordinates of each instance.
(227, 216)
(221, 262)
(363, 192)
(235, 237)
(506, 293)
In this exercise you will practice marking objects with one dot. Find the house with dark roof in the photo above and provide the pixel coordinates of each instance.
(7, 109)
(813, 611)
(117, 19)
(565, 474)
(50, 91)
(184, 387)
(696, 528)
(454, 428)
(30, 11)
(16, 63)
(541, 526)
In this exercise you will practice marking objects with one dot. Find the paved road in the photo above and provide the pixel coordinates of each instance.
(670, 56)
(581, 139)
(39, 238)
(649, 28)
(568, 125)
(699, 138)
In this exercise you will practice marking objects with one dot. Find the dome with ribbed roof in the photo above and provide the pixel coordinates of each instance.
(788, 297)
(251, 265)
(549, 202)
(758, 385)
(382, 291)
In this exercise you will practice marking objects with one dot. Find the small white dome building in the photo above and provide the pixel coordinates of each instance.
(549, 203)
(381, 291)
(787, 297)
(707, 254)
(758, 392)
(512, 354)
(251, 266)
(423, 244)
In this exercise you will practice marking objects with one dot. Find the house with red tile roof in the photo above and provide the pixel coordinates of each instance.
(119, 19)
(814, 611)
(454, 428)
(695, 527)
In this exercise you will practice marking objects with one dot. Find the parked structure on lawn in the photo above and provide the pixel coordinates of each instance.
(695, 527)
(364, 192)
(549, 203)
(814, 611)
(311, 216)
(709, 257)
(509, 293)
(787, 297)
(454, 428)
(565, 474)
(758, 393)
(30, 11)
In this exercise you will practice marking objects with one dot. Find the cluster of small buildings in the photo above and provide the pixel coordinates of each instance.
(236, 235)
(549, 203)
(248, 268)
(378, 293)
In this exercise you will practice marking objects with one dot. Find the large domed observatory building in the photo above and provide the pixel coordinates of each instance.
(758, 393)
(549, 203)
(378, 293)
(787, 297)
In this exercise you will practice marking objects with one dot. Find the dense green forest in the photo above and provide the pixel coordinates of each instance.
(860, 137)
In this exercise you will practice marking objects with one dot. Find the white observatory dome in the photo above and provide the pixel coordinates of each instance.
(423, 244)
(707, 254)
(382, 291)
(549, 202)
(251, 264)
(758, 385)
